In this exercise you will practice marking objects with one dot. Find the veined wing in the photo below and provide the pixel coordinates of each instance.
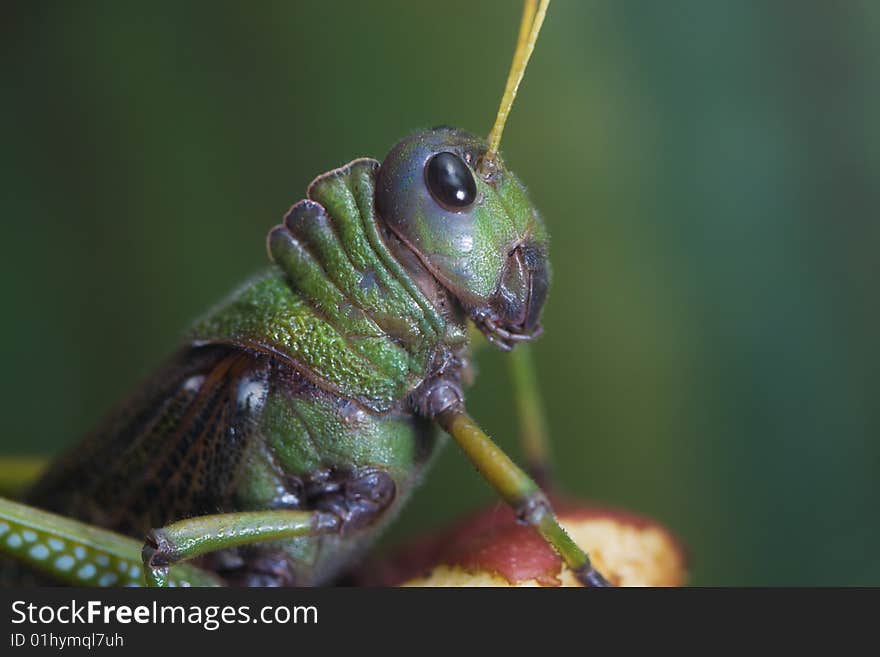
(170, 451)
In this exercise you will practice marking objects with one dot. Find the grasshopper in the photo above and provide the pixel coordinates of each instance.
(299, 414)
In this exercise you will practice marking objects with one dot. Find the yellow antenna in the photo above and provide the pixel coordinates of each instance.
(532, 19)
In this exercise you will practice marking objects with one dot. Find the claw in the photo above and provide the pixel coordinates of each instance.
(589, 576)
(500, 336)
(497, 341)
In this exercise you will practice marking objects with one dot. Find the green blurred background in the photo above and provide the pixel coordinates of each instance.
(708, 170)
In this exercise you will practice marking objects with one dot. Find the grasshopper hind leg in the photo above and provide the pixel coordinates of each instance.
(67, 551)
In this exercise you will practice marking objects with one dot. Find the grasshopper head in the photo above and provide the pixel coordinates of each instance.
(472, 225)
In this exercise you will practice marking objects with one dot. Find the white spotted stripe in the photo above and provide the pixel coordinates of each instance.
(65, 562)
(39, 552)
(86, 572)
(108, 579)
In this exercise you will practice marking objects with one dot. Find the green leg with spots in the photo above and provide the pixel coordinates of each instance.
(79, 554)
(194, 537)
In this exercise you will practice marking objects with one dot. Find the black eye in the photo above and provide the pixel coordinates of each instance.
(450, 181)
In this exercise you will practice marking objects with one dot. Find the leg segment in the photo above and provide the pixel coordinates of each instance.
(80, 554)
(194, 537)
(517, 489)
(530, 413)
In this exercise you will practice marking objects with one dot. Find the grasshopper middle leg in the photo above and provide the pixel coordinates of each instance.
(193, 537)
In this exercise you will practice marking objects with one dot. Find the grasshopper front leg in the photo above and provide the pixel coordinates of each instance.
(534, 440)
(516, 487)
(79, 554)
(530, 416)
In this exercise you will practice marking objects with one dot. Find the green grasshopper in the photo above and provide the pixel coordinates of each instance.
(299, 414)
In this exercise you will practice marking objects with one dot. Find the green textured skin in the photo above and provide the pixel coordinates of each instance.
(328, 434)
(504, 218)
(312, 369)
(343, 311)
(363, 349)
(339, 306)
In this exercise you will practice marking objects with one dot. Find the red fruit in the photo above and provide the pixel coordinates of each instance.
(492, 549)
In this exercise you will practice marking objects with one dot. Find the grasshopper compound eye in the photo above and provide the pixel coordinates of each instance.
(450, 181)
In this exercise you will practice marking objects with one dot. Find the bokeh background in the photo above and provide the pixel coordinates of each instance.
(709, 171)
